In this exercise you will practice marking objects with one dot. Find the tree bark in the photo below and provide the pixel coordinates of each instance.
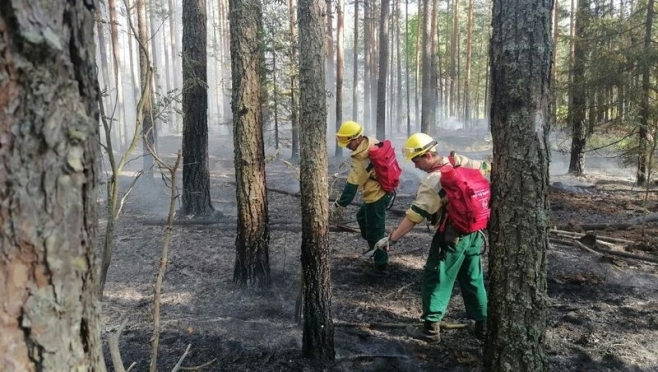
(355, 62)
(252, 264)
(427, 109)
(579, 91)
(49, 174)
(520, 121)
(196, 175)
(318, 334)
(644, 154)
(340, 67)
(383, 70)
(148, 126)
(294, 81)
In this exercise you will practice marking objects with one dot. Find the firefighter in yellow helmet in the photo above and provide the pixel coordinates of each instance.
(451, 256)
(371, 216)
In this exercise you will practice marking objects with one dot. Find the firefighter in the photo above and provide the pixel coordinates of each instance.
(372, 213)
(452, 256)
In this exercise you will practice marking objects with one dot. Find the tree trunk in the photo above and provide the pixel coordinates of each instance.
(120, 126)
(252, 263)
(467, 78)
(355, 61)
(148, 126)
(294, 81)
(331, 77)
(318, 336)
(427, 113)
(196, 176)
(643, 155)
(454, 41)
(579, 88)
(383, 70)
(340, 67)
(520, 123)
(367, 64)
(406, 66)
(49, 313)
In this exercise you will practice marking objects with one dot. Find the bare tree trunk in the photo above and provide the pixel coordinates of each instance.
(355, 66)
(294, 80)
(419, 60)
(520, 123)
(331, 77)
(118, 76)
(196, 175)
(367, 63)
(318, 336)
(454, 41)
(148, 128)
(579, 92)
(427, 114)
(644, 155)
(467, 79)
(406, 65)
(340, 67)
(383, 70)
(49, 312)
(252, 265)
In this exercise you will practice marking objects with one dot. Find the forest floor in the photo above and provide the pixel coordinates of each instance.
(602, 308)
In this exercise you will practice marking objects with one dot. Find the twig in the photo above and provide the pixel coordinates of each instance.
(157, 287)
(131, 366)
(180, 361)
(572, 234)
(372, 356)
(198, 367)
(399, 290)
(115, 353)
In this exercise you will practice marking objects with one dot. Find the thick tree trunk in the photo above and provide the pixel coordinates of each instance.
(196, 176)
(318, 337)
(49, 313)
(383, 70)
(252, 263)
(520, 123)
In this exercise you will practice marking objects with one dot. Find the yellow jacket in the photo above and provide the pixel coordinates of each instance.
(427, 200)
(362, 176)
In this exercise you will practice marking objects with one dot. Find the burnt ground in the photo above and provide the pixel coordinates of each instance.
(602, 313)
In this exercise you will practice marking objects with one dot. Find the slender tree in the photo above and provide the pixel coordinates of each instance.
(294, 80)
(318, 336)
(578, 107)
(340, 67)
(383, 69)
(644, 150)
(118, 77)
(196, 176)
(427, 110)
(148, 126)
(520, 123)
(49, 156)
(252, 264)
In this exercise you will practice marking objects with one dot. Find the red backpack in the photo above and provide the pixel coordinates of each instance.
(382, 158)
(468, 194)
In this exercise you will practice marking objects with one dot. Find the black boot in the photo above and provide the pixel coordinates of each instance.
(428, 332)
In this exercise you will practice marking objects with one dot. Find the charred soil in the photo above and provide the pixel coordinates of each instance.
(602, 308)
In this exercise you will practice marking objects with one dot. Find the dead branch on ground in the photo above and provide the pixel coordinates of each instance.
(443, 325)
(601, 249)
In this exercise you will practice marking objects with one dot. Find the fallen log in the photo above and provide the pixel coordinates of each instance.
(599, 250)
(651, 217)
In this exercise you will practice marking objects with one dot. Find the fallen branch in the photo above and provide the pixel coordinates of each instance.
(115, 353)
(372, 356)
(645, 218)
(603, 251)
(600, 226)
(204, 365)
(180, 361)
(572, 234)
(443, 325)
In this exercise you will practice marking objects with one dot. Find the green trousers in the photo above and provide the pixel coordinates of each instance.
(372, 224)
(457, 259)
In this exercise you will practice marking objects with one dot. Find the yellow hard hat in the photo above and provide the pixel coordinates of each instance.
(348, 131)
(418, 144)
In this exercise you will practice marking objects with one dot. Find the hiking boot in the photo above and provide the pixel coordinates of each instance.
(428, 332)
(479, 329)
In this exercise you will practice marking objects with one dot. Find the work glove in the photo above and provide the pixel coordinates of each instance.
(384, 243)
(336, 212)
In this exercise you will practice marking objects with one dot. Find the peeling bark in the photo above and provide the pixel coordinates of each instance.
(49, 150)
